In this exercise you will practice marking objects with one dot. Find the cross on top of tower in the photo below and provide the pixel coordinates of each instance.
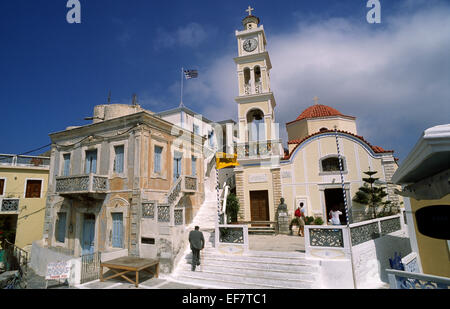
(249, 10)
(316, 100)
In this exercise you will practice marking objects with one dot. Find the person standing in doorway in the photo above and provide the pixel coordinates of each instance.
(197, 242)
(334, 214)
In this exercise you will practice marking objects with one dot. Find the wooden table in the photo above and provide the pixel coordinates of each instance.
(126, 264)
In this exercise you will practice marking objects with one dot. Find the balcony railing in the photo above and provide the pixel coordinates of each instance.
(24, 161)
(257, 149)
(258, 88)
(407, 280)
(81, 184)
(8, 204)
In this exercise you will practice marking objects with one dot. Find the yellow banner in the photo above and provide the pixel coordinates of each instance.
(225, 160)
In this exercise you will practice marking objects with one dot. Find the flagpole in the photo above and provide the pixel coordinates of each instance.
(181, 101)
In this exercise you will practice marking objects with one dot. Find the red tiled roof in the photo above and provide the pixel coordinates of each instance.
(376, 149)
(319, 111)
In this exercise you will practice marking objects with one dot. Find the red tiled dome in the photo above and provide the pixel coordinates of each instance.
(317, 111)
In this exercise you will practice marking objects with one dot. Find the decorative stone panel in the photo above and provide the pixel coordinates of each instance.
(178, 216)
(326, 238)
(10, 205)
(72, 184)
(163, 213)
(363, 233)
(99, 183)
(190, 183)
(390, 225)
(231, 235)
(148, 210)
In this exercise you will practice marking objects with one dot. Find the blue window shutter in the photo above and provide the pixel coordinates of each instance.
(91, 161)
(194, 166)
(61, 232)
(119, 161)
(94, 162)
(157, 163)
(117, 234)
(66, 170)
(88, 163)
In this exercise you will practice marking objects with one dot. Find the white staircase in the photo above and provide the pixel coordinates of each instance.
(207, 214)
(254, 270)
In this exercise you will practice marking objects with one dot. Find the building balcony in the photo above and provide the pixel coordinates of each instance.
(91, 185)
(258, 149)
(24, 161)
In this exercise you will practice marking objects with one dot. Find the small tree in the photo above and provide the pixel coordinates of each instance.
(371, 194)
(232, 207)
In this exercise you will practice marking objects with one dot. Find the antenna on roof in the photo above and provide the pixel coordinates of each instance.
(109, 97)
(134, 100)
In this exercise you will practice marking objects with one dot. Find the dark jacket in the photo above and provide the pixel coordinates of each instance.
(196, 240)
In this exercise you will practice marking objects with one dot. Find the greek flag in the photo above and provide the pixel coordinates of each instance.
(190, 74)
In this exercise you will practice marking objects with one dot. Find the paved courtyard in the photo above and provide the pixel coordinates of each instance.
(279, 242)
(146, 282)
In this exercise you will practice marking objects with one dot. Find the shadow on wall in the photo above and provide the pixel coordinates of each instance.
(386, 247)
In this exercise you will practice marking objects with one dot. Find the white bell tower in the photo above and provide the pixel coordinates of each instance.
(256, 103)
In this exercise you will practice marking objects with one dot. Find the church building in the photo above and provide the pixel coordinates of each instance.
(308, 172)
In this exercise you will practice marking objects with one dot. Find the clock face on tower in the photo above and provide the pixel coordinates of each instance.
(250, 45)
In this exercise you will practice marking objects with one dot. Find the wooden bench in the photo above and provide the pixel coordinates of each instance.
(127, 264)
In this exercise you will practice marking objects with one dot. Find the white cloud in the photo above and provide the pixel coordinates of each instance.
(190, 35)
(394, 78)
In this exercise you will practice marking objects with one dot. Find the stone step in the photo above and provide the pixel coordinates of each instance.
(243, 281)
(261, 232)
(293, 258)
(275, 266)
(305, 273)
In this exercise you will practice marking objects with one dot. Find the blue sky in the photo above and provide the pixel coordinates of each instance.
(393, 77)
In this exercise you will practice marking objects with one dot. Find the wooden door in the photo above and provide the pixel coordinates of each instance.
(259, 205)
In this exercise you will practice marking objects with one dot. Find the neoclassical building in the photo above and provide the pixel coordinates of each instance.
(130, 181)
(308, 171)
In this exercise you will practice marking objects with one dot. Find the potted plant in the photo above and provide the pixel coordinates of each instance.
(318, 221)
(294, 222)
(309, 220)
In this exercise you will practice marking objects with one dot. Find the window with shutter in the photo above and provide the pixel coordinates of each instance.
(33, 189)
(2, 186)
(61, 227)
(117, 231)
(157, 159)
(119, 159)
(66, 168)
(194, 166)
(91, 162)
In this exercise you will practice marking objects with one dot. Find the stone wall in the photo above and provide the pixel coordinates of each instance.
(389, 169)
(240, 193)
